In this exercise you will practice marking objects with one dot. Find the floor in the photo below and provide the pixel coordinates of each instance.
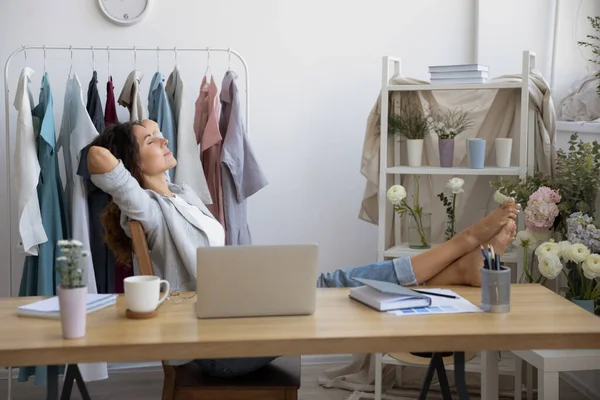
(147, 386)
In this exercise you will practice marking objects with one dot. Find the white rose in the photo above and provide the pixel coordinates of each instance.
(500, 198)
(455, 184)
(76, 243)
(526, 239)
(547, 249)
(578, 252)
(550, 265)
(396, 194)
(591, 266)
(565, 250)
(62, 243)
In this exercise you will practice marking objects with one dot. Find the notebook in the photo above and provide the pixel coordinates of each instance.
(386, 296)
(49, 308)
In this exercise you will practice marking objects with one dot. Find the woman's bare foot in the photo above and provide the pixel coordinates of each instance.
(467, 269)
(484, 230)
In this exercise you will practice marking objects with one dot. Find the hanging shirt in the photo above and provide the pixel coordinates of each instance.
(206, 127)
(211, 227)
(39, 275)
(27, 169)
(76, 132)
(241, 174)
(110, 108)
(189, 168)
(94, 106)
(97, 200)
(159, 110)
(130, 97)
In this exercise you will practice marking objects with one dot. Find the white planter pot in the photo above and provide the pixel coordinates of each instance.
(72, 304)
(414, 149)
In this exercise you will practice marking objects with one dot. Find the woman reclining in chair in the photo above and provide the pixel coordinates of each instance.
(128, 161)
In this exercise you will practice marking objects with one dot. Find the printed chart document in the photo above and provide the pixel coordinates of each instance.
(441, 305)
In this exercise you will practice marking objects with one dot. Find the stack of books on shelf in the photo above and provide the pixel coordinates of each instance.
(452, 74)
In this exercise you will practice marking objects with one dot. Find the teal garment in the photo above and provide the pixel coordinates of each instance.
(159, 110)
(39, 275)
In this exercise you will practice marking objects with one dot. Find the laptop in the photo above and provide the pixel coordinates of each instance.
(256, 281)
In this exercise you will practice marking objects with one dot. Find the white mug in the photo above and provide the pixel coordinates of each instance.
(142, 293)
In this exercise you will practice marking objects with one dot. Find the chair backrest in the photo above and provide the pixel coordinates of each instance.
(140, 248)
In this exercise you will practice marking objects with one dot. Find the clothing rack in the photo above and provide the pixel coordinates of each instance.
(93, 50)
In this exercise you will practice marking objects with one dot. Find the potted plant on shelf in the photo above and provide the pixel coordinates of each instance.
(419, 222)
(447, 125)
(413, 125)
(455, 185)
(72, 291)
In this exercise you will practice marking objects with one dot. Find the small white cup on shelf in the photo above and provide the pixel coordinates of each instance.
(503, 152)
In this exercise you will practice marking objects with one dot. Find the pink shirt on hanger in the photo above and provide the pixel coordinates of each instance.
(206, 127)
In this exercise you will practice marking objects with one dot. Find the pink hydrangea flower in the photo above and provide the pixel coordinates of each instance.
(540, 215)
(545, 194)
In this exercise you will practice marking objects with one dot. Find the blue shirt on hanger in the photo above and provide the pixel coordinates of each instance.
(39, 275)
(159, 110)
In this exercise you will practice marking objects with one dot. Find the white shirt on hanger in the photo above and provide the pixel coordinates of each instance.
(76, 132)
(27, 170)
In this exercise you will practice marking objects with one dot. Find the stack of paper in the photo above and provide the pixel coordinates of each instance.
(49, 308)
(385, 296)
(453, 74)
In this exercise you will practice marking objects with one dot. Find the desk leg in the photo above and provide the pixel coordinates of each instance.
(489, 375)
(74, 374)
(460, 379)
(52, 382)
(378, 376)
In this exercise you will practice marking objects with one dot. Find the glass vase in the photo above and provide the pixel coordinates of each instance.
(419, 231)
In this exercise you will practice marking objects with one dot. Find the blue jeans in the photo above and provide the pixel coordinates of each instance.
(398, 270)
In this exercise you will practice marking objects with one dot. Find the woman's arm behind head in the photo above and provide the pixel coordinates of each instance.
(101, 160)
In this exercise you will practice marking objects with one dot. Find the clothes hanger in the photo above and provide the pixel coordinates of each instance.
(93, 60)
(71, 67)
(209, 77)
(108, 65)
(25, 54)
(157, 59)
(44, 48)
(134, 58)
(229, 55)
(175, 51)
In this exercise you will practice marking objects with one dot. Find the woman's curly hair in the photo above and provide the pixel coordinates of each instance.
(120, 140)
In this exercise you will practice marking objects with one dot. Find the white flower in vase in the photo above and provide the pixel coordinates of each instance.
(548, 249)
(396, 194)
(455, 184)
(591, 266)
(578, 252)
(549, 265)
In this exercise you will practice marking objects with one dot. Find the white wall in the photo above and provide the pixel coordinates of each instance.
(315, 74)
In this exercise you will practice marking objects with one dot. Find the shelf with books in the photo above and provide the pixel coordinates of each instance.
(432, 170)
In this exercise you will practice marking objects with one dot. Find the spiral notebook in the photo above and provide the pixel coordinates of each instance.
(387, 296)
(49, 308)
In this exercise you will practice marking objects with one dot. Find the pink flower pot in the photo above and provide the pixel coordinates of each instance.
(446, 152)
(72, 304)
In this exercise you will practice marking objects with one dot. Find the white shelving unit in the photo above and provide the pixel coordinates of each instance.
(392, 169)
(390, 172)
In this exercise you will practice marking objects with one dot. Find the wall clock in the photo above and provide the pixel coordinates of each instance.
(125, 12)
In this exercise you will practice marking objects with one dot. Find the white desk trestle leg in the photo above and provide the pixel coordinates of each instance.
(378, 376)
(547, 385)
(489, 375)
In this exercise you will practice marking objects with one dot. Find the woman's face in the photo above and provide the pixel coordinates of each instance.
(155, 157)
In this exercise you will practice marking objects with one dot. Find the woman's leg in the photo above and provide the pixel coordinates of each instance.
(232, 367)
(467, 269)
(415, 270)
(431, 262)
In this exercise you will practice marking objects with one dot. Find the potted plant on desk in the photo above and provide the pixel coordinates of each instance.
(447, 125)
(413, 125)
(72, 291)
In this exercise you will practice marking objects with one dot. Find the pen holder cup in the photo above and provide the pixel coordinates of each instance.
(495, 290)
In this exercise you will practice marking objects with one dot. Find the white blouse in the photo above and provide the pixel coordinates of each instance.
(211, 227)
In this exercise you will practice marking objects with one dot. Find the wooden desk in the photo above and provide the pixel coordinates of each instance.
(538, 319)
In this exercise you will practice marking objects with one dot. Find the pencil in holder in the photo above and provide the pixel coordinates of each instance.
(495, 290)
